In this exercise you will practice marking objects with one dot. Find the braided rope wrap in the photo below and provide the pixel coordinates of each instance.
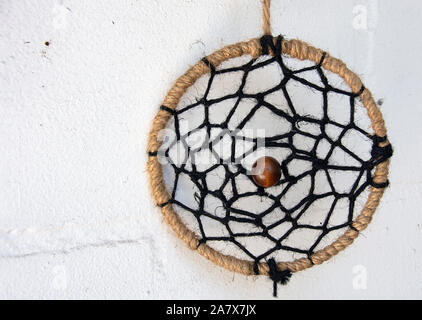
(295, 49)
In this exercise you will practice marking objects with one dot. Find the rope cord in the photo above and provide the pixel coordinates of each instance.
(266, 24)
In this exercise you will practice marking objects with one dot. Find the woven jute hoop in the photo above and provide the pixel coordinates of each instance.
(295, 49)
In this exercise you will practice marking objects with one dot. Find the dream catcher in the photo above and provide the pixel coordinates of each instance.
(268, 156)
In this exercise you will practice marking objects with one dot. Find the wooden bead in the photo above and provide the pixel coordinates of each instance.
(266, 172)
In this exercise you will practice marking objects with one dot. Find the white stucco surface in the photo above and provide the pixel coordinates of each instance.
(76, 216)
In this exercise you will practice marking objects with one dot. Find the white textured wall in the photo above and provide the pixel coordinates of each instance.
(76, 218)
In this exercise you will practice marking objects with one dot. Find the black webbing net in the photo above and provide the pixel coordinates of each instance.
(229, 193)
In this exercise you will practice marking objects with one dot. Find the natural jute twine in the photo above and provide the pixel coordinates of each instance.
(295, 49)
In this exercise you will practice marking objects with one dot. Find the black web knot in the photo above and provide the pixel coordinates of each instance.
(278, 276)
(378, 153)
(169, 110)
(267, 43)
(319, 164)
